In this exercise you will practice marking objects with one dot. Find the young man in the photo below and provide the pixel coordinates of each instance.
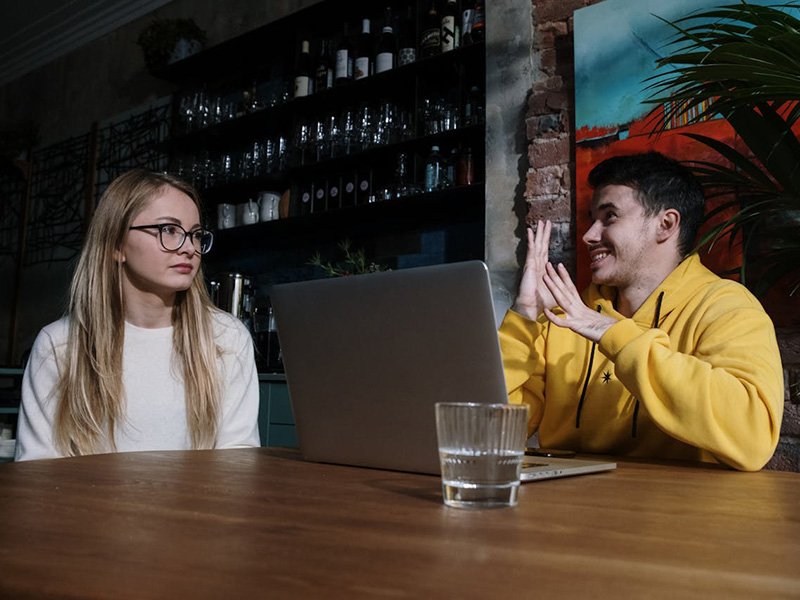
(659, 357)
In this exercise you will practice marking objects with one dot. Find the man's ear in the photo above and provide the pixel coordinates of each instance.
(669, 222)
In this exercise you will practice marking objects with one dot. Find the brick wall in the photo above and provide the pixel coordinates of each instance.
(549, 125)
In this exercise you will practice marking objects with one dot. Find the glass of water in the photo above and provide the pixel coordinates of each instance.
(481, 447)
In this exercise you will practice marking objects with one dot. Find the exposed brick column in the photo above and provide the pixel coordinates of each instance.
(550, 123)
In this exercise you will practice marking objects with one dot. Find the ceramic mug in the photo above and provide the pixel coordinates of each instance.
(226, 216)
(248, 213)
(268, 203)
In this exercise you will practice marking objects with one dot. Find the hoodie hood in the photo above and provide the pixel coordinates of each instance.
(674, 291)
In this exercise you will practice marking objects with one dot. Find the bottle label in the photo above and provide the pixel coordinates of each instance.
(431, 39)
(362, 67)
(467, 18)
(306, 197)
(406, 56)
(349, 187)
(363, 185)
(324, 78)
(301, 86)
(334, 191)
(384, 62)
(344, 69)
(449, 41)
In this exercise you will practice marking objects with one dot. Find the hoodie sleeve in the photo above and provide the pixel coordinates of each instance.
(522, 344)
(725, 397)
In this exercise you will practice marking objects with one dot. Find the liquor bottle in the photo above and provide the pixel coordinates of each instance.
(323, 74)
(303, 78)
(467, 18)
(465, 172)
(433, 170)
(364, 193)
(430, 40)
(478, 33)
(473, 107)
(384, 59)
(348, 192)
(334, 196)
(450, 36)
(344, 60)
(363, 52)
(320, 203)
(408, 46)
(305, 199)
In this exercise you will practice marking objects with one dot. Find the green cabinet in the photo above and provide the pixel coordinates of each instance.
(275, 417)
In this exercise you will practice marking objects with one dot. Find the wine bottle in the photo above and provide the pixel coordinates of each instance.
(344, 60)
(363, 52)
(430, 40)
(384, 59)
(302, 78)
(408, 46)
(478, 33)
(450, 36)
(323, 74)
(473, 107)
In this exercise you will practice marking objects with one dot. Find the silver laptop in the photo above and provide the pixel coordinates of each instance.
(367, 358)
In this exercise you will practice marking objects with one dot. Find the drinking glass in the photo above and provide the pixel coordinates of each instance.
(366, 127)
(349, 132)
(386, 126)
(334, 132)
(481, 447)
(302, 144)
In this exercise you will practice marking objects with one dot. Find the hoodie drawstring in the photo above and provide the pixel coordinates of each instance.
(586, 381)
(655, 326)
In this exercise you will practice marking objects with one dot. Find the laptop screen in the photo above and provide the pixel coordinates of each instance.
(368, 356)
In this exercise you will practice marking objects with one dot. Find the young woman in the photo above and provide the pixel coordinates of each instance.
(143, 360)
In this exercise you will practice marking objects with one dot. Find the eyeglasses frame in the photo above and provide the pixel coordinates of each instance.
(186, 234)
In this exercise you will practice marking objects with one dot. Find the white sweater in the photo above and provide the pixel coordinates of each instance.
(155, 407)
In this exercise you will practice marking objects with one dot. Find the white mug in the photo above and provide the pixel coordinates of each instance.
(268, 202)
(249, 213)
(226, 216)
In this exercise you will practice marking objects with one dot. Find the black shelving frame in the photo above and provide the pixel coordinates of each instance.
(268, 53)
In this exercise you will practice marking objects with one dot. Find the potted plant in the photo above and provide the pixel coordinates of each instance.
(164, 41)
(744, 58)
(355, 263)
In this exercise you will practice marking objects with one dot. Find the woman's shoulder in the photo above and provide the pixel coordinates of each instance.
(228, 329)
(55, 333)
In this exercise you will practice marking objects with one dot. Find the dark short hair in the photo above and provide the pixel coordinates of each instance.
(659, 183)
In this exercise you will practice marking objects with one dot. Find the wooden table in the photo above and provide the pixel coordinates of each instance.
(261, 523)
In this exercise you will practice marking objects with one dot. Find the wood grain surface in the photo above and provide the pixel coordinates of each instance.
(262, 523)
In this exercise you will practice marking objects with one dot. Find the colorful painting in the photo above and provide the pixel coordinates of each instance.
(617, 43)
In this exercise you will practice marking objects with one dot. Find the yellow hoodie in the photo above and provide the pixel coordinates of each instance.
(695, 374)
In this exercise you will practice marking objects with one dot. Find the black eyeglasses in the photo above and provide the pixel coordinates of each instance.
(173, 236)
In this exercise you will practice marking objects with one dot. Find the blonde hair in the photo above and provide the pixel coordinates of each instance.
(90, 391)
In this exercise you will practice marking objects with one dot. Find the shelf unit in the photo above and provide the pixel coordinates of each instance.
(263, 60)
